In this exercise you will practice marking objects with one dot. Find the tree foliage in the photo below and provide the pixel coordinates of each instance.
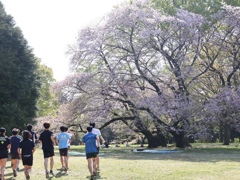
(18, 78)
(47, 103)
(150, 70)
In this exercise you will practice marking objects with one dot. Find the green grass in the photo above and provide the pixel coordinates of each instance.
(203, 161)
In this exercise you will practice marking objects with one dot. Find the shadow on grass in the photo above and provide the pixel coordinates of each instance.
(98, 176)
(60, 174)
(199, 153)
(191, 155)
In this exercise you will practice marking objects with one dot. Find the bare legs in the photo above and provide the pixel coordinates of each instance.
(92, 165)
(27, 170)
(64, 162)
(15, 163)
(2, 166)
(46, 163)
(97, 162)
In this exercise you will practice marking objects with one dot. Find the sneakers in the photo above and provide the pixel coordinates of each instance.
(94, 173)
(47, 174)
(51, 172)
(92, 176)
(14, 173)
(27, 175)
(64, 168)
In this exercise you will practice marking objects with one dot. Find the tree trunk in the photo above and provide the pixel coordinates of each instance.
(181, 140)
(220, 132)
(226, 137)
(155, 141)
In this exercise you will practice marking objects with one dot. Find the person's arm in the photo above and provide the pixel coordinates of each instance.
(34, 149)
(9, 145)
(19, 152)
(103, 141)
(98, 142)
(53, 140)
(70, 139)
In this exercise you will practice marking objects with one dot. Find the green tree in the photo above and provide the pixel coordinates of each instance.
(203, 7)
(47, 104)
(19, 83)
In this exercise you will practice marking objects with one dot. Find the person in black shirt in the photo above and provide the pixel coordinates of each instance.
(34, 135)
(48, 142)
(26, 150)
(15, 141)
(4, 146)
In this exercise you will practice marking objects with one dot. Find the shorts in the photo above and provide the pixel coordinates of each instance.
(63, 152)
(48, 153)
(3, 154)
(15, 156)
(27, 160)
(91, 155)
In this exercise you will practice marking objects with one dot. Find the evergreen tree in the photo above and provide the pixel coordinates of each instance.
(18, 79)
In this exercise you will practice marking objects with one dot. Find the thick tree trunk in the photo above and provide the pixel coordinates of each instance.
(155, 140)
(226, 138)
(181, 140)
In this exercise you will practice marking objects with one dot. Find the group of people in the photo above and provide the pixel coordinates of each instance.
(24, 146)
(20, 147)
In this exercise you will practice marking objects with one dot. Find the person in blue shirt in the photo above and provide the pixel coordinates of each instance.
(91, 150)
(62, 140)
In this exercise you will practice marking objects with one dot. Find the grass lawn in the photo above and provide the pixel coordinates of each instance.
(203, 161)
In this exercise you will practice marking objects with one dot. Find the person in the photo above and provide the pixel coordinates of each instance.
(34, 135)
(4, 146)
(91, 150)
(98, 133)
(26, 150)
(47, 140)
(62, 141)
(15, 141)
(69, 142)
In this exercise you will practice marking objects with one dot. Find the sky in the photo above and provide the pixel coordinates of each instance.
(50, 26)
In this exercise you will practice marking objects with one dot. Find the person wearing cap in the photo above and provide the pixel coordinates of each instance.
(99, 135)
(4, 146)
(15, 141)
(91, 150)
(26, 150)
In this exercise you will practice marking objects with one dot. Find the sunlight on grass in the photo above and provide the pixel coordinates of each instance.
(203, 161)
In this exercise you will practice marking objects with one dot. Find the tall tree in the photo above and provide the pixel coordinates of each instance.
(18, 78)
(47, 103)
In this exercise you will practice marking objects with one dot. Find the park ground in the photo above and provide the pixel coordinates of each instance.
(202, 161)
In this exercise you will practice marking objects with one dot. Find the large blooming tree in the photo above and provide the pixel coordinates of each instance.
(140, 67)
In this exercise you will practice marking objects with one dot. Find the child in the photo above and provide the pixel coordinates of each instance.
(15, 141)
(27, 146)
